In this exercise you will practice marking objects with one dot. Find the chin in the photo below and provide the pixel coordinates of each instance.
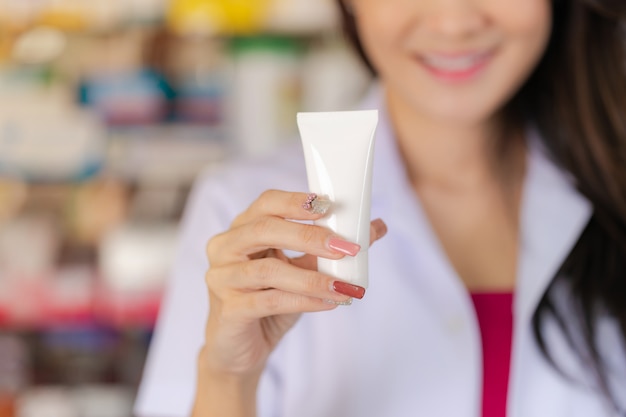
(463, 115)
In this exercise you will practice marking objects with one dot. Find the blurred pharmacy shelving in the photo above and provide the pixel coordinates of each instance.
(109, 109)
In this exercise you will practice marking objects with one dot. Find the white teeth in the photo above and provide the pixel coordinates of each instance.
(459, 63)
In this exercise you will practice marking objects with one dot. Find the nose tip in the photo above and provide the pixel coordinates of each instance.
(456, 20)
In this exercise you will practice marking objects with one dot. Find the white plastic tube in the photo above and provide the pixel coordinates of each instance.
(338, 150)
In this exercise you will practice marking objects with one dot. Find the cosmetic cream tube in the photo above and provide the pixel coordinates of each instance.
(338, 151)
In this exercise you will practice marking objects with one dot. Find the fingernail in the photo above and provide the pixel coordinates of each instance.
(342, 246)
(339, 303)
(315, 204)
(350, 290)
(380, 227)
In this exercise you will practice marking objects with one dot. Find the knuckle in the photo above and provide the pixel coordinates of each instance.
(298, 303)
(213, 282)
(311, 282)
(296, 200)
(209, 278)
(239, 219)
(212, 246)
(267, 268)
(309, 235)
(263, 226)
(267, 194)
(247, 269)
(272, 301)
(265, 197)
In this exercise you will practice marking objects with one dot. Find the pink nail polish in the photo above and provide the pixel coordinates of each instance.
(349, 289)
(342, 246)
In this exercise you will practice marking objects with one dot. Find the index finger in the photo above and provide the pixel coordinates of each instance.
(285, 204)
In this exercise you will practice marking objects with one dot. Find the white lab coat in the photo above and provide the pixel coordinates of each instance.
(412, 346)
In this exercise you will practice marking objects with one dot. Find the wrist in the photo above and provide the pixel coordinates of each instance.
(223, 393)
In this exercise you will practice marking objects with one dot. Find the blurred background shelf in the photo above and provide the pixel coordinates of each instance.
(109, 109)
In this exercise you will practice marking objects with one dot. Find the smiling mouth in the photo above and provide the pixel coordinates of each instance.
(457, 66)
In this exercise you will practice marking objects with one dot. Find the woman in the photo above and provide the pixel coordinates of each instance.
(500, 175)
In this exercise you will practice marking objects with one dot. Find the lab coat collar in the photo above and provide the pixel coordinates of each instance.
(553, 213)
(553, 217)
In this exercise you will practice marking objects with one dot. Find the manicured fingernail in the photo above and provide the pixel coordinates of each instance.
(339, 303)
(342, 246)
(315, 204)
(350, 290)
(380, 227)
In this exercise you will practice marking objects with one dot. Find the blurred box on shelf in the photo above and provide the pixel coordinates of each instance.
(103, 401)
(94, 208)
(73, 297)
(69, 296)
(73, 15)
(88, 401)
(128, 98)
(197, 67)
(84, 264)
(29, 247)
(232, 18)
(136, 258)
(212, 17)
(46, 402)
(63, 299)
(134, 262)
(124, 310)
(302, 17)
(43, 136)
(167, 154)
(15, 365)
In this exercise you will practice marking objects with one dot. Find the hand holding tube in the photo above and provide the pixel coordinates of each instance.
(338, 152)
(256, 293)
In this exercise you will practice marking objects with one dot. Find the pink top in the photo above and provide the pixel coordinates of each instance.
(495, 317)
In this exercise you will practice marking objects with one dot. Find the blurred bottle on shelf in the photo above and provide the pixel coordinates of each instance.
(210, 17)
(14, 372)
(333, 78)
(136, 258)
(73, 355)
(80, 15)
(302, 17)
(53, 401)
(29, 246)
(93, 400)
(38, 46)
(103, 401)
(13, 195)
(17, 14)
(265, 92)
(134, 261)
(196, 67)
(94, 208)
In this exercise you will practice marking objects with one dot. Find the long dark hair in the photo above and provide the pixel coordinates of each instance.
(576, 98)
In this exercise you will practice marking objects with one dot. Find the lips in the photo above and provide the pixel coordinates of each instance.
(455, 66)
